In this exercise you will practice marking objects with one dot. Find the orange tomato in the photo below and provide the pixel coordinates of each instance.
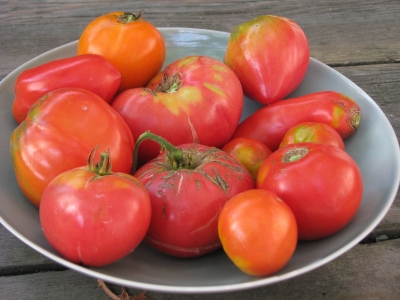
(258, 232)
(134, 46)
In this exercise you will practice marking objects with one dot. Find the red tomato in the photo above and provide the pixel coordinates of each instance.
(250, 152)
(270, 123)
(93, 216)
(60, 130)
(90, 72)
(270, 55)
(312, 132)
(134, 46)
(321, 183)
(258, 232)
(194, 98)
(188, 186)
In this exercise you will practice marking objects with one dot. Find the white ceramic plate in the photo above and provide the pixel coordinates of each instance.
(374, 147)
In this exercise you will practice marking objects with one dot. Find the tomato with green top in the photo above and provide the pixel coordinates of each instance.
(93, 216)
(133, 45)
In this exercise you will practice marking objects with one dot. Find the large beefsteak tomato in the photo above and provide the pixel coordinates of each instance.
(60, 130)
(188, 186)
(194, 98)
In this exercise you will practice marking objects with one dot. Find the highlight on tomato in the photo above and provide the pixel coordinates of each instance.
(321, 183)
(132, 44)
(250, 152)
(258, 232)
(92, 216)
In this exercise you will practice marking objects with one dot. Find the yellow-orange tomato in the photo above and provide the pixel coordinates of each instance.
(258, 232)
(250, 152)
(134, 46)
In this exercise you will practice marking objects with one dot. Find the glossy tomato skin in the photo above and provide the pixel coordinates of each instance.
(60, 130)
(270, 123)
(312, 132)
(206, 107)
(250, 152)
(323, 186)
(258, 232)
(186, 202)
(94, 220)
(135, 47)
(270, 54)
(91, 72)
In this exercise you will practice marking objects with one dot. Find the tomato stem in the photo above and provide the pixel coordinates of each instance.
(129, 17)
(104, 166)
(175, 155)
(170, 84)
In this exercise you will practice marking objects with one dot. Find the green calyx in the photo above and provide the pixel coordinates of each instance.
(176, 156)
(129, 17)
(103, 167)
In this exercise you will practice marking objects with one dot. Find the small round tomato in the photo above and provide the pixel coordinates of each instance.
(258, 232)
(312, 132)
(250, 152)
(93, 216)
(134, 46)
(321, 183)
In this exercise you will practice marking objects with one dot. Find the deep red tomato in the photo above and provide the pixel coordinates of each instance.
(134, 46)
(93, 216)
(321, 183)
(270, 55)
(188, 185)
(312, 132)
(270, 123)
(193, 98)
(91, 72)
(250, 152)
(60, 130)
(258, 232)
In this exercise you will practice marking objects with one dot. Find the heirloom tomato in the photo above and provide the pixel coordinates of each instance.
(196, 98)
(270, 123)
(93, 216)
(91, 72)
(321, 183)
(270, 55)
(188, 185)
(133, 45)
(58, 133)
(312, 132)
(258, 232)
(250, 152)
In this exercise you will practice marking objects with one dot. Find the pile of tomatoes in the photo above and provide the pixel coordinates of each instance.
(114, 150)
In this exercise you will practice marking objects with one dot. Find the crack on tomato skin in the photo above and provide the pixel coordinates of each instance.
(209, 222)
(198, 184)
